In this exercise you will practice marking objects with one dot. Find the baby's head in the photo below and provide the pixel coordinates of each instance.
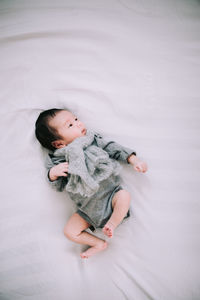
(56, 128)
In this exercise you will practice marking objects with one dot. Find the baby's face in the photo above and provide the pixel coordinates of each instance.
(68, 127)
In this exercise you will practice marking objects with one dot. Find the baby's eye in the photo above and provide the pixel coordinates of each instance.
(76, 119)
(70, 125)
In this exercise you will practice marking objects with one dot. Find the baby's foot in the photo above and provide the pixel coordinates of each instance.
(109, 229)
(102, 245)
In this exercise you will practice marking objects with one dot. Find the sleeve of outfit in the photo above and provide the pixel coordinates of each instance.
(114, 150)
(60, 183)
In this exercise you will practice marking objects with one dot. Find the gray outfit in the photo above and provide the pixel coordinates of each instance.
(93, 175)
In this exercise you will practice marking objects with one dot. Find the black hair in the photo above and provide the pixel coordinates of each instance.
(43, 131)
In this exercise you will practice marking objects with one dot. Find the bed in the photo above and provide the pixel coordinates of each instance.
(130, 70)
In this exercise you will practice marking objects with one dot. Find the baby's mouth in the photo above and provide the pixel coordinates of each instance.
(84, 131)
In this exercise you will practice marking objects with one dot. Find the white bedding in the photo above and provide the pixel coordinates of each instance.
(130, 70)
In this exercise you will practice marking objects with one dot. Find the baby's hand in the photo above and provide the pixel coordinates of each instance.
(138, 165)
(58, 170)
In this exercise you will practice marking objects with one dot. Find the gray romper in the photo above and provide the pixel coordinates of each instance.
(93, 175)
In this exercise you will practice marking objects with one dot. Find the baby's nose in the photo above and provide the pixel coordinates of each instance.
(79, 124)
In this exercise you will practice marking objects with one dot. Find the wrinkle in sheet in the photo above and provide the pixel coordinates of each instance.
(141, 285)
(60, 34)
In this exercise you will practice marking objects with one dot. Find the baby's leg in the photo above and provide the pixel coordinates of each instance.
(120, 205)
(74, 230)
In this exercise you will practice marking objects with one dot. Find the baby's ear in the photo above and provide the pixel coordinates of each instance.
(58, 144)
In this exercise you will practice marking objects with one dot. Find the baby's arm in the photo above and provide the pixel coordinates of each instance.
(114, 150)
(121, 153)
(55, 175)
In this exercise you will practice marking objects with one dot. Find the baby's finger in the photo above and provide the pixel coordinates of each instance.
(64, 174)
(137, 168)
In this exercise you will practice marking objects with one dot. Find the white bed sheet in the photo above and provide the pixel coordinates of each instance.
(130, 70)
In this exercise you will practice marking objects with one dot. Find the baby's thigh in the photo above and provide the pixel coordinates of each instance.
(75, 225)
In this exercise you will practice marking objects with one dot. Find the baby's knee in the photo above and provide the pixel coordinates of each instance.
(125, 198)
(69, 233)
(121, 196)
(125, 195)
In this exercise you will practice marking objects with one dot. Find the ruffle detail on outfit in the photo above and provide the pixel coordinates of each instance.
(88, 165)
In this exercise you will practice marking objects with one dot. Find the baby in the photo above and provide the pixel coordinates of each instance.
(86, 165)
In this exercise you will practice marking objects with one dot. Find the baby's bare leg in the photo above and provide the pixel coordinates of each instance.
(120, 205)
(74, 230)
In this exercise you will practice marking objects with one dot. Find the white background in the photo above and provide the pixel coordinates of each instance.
(130, 70)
